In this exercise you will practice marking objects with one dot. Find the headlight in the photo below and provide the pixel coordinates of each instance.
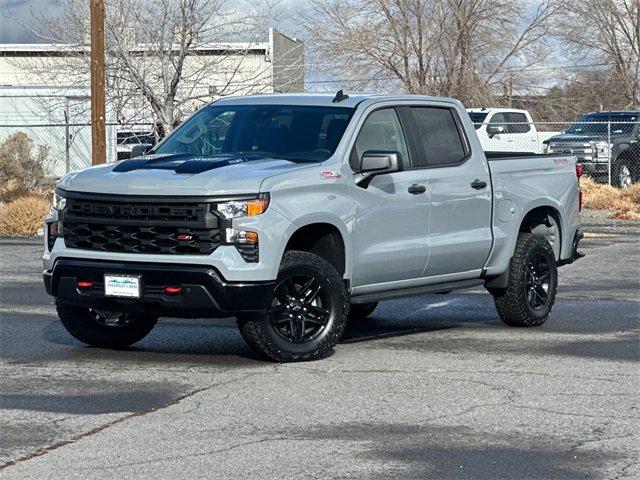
(58, 203)
(602, 149)
(244, 208)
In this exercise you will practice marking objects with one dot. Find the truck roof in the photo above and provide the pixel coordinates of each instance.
(613, 112)
(322, 99)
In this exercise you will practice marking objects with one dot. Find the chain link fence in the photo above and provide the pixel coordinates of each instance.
(609, 151)
(68, 145)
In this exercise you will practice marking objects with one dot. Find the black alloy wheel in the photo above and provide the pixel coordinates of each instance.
(538, 280)
(297, 313)
(105, 328)
(111, 319)
(307, 315)
(532, 283)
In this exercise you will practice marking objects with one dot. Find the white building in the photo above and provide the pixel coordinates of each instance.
(213, 70)
(58, 119)
(44, 91)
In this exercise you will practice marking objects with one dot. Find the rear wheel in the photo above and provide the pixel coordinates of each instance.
(307, 315)
(360, 311)
(532, 284)
(104, 328)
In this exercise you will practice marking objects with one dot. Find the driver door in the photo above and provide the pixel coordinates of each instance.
(392, 217)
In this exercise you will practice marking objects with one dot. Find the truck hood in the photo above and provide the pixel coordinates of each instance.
(179, 175)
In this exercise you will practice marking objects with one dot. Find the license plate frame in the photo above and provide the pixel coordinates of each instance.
(120, 285)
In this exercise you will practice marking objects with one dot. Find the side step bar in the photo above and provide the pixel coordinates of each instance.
(412, 291)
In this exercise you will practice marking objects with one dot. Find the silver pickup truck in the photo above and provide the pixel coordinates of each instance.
(295, 213)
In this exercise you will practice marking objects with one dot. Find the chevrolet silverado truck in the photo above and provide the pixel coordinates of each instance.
(297, 213)
(607, 145)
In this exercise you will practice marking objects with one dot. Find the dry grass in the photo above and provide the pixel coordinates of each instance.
(13, 189)
(623, 204)
(23, 216)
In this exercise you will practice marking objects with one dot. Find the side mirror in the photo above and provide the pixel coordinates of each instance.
(140, 149)
(378, 162)
(493, 130)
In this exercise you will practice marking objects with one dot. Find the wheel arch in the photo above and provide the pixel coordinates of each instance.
(545, 216)
(325, 239)
(533, 216)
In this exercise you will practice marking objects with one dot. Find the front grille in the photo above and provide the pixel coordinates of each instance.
(140, 226)
(582, 151)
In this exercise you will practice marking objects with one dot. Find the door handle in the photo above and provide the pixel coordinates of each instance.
(416, 189)
(478, 184)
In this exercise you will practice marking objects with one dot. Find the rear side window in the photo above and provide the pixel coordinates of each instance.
(440, 136)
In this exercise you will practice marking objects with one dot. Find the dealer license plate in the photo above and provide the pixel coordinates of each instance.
(121, 286)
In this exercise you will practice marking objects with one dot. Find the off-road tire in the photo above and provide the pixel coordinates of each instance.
(511, 303)
(360, 311)
(259, 334)
(618, 168)
(83, 327)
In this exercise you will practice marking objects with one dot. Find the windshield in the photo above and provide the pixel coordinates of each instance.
(598, 124)
(293, 132)
(477, 118)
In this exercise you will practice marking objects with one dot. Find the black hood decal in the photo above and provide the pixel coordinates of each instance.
(182, 163)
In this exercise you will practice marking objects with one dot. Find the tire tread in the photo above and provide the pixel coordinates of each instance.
(511, 305)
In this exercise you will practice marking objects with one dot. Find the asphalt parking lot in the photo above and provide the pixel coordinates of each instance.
(430, 387)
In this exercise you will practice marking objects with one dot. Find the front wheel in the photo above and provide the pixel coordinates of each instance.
(103, 328)
(532, 283)
(623, 174)
(308, 313)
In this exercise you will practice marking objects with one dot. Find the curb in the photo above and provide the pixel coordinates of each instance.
(613, 230)
(22, 240)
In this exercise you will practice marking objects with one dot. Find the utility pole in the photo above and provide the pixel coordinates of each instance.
(98, 136)
(510, 90)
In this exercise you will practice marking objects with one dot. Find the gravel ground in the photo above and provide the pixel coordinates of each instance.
(433, 386)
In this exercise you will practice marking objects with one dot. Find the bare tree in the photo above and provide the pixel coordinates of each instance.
(607, 31)
(468, 49)
(156, 66)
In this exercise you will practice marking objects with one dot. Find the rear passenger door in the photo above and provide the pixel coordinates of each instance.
(459, 188)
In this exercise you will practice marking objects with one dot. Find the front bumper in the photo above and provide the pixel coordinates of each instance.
(595, 169)
(205, 293)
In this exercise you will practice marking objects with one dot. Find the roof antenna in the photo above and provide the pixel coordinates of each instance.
(340, 96)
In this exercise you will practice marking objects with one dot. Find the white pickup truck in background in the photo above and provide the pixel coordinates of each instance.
(507, 130)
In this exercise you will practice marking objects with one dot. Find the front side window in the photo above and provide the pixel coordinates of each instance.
(441, 139)
(298, 133)
(381, 131)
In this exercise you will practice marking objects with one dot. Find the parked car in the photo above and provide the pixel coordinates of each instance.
(296, 212)
(507, 130)
(129, 141)
(600, 138)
